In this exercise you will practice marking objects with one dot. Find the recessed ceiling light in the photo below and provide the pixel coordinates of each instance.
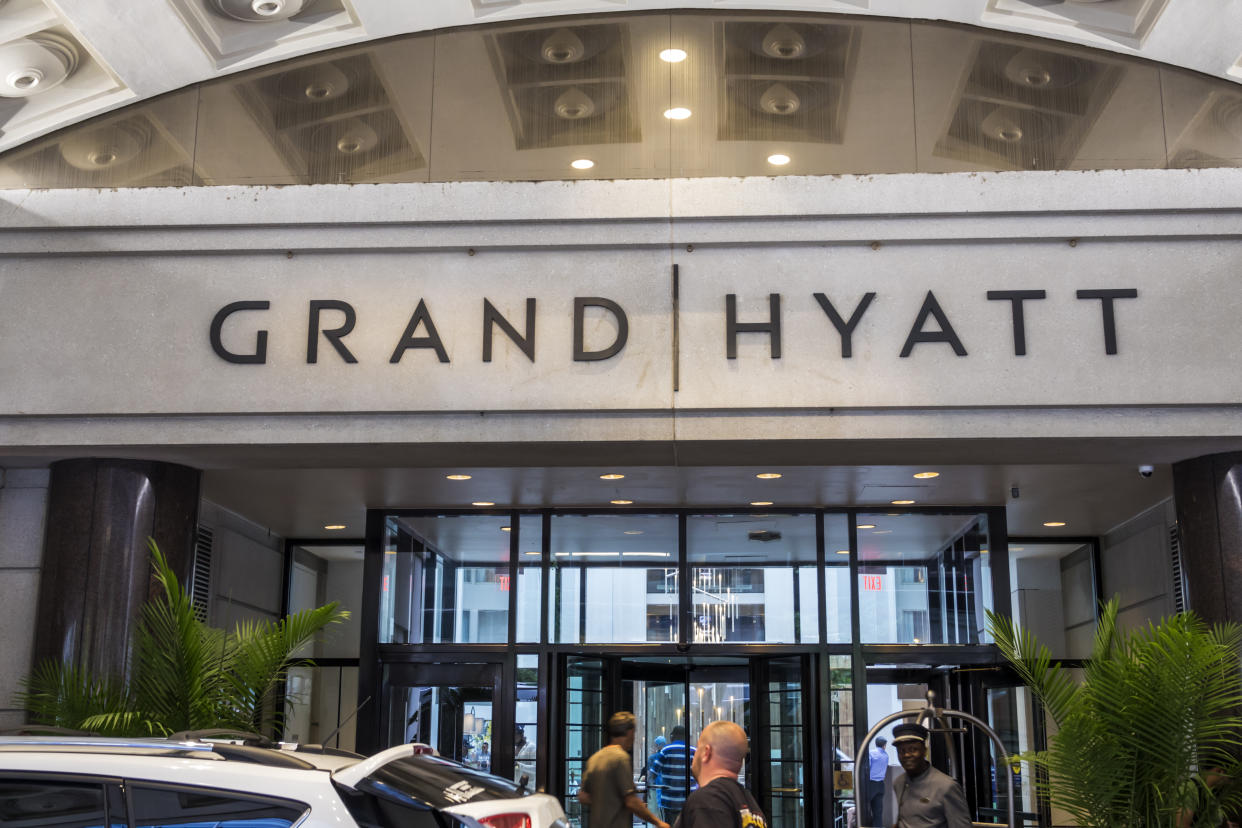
(865, 526)
(926, 475)
(633, 532)
(902, 502)
(761, 503)
(619, 502)
(335, 526)
(677, 113)
(778, 159)
(768, 475)
(1054, 523)
(582, 164)
(482, 503)
(673, 55)
(457, 477)
(532, 554)
(612, 476)
(506, 528)
(843, 551)
(1017, 549)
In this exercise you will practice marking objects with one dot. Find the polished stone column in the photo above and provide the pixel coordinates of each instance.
(1208, 494)
(96, 567)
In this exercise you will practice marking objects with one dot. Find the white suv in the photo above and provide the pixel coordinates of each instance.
(76, 782)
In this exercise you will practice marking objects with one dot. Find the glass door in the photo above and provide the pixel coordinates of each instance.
(657, 694)
(783, 768)
(451, 707)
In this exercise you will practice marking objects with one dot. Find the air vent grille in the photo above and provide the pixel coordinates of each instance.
(1179, 573)
(200, 582)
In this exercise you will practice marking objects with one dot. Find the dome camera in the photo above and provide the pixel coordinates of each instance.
(1146, 471)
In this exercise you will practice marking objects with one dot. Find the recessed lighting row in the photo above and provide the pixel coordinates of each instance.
(679, 113)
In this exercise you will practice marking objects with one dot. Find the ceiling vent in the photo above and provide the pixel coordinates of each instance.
(1024, 108)
(785, 81)
(35, 64)
(763, 535)
(110, 147)
(260, 11)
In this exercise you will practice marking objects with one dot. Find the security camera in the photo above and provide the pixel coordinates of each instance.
(1146, 471)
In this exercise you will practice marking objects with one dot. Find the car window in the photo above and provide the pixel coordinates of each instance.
(53, 803)
(372, 810)
(166, 806)
(441, 782)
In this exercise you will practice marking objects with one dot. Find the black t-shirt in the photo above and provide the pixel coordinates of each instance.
(721, 803)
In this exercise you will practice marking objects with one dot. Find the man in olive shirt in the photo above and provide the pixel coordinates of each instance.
(608, 782)
(720, 801)
(926, 798)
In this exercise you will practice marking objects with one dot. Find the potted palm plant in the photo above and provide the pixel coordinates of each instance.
(185, 675)
(1150, 735)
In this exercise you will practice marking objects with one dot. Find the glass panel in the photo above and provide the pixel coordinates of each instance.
(1202, 120)
(446, 579)
(792, 94)
(522, 102)
(53, 804)
(840, 679)
(787, 736)
(530, 579)
(918, 578)
(145, 145)
(202, 808)
(342, 117)
(584, 726)
(837, 579)
(455, 720)
(614, 578)
(989, 101)
(660, 707)
(526, 734)
(1009, 714)
(746, 573)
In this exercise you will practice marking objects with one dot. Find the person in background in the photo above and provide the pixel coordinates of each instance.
(877, 758)
(649, 773)
(672, 763)
(608, 783)
(926, 798)
(721, 801)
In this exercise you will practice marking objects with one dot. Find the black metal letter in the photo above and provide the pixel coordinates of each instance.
(1106, 298)
(581, 303)
(409, 340)
(845, 329)
(491, 316)
(259, 357)
(772, 327)
(946, 333)
(1016, 298)
(333, 335)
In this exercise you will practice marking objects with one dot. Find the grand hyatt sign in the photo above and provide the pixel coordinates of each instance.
(334, 320)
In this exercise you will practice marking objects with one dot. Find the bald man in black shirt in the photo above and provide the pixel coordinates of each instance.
(720, 801)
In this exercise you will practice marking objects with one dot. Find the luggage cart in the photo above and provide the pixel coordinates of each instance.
(938, 716)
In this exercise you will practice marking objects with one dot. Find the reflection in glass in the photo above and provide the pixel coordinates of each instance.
(614, 578)
(526, 718)
(524, 101)
(920, 579)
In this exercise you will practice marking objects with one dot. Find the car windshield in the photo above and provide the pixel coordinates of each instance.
(438, 782)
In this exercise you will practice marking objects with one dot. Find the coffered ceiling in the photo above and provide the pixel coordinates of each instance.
(62, 61)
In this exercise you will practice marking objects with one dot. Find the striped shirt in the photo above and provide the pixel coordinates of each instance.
(672, 763)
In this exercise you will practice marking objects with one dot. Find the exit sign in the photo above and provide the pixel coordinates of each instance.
(873, 583)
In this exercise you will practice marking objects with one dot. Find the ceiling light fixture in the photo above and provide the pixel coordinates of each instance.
(506, 528)
(926, 475)
(761, 503)
(644, 554)
(843, 551)
(769, 475)
(531, 554)
(612, 476)
(334, 527)
(1054, 523)
(620, 502)
(482, 503)
(582, 164)
(677, 113)
(457, 477)
(35, 64)
(778, 159)
(903, 502)
(865, 526)
(673, 55)
(632, 532)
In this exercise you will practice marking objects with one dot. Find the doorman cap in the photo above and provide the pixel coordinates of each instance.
(909, 732)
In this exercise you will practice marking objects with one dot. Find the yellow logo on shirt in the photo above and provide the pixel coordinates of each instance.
(750, 820)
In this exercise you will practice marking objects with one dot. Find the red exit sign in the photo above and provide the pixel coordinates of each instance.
(873, 583)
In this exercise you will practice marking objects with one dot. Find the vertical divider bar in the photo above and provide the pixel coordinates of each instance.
(370, 674)
(858, 664)
(821, 570)
(545, 562)
(676, 328)
(685, 603)
(515, 528)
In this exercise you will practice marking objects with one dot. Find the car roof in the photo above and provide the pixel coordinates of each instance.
(296, 757)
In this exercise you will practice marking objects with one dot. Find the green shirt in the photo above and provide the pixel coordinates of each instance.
(608, 780)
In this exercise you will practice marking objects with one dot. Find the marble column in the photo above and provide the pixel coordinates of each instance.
(1208, 496)
(96, 570)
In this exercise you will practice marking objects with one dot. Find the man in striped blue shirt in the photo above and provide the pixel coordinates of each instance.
(672, 764)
